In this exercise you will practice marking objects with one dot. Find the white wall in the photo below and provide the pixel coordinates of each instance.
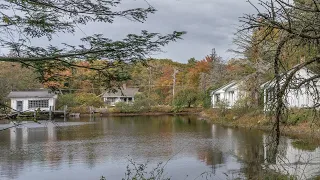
(117, 99)
(300, 98)
(294, 98)
(52, 103)
(214, 98)
(226, 96)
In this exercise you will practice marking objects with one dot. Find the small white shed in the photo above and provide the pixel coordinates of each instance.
(32, 100)
(229, 94)
(303, 97)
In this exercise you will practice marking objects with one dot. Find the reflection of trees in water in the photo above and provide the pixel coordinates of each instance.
(251, 151)
(245, 145)
(212, 157)
(272, 151)
(141, 138)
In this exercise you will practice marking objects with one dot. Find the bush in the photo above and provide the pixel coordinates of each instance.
(141, 104)
(123, 107)
(242, 106)
(161, 108)
(66, 99)
(206, 100)
(77, 100)
(89, 99)
(222, 107)
(299, 115)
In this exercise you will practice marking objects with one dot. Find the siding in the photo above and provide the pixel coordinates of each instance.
(52, 102)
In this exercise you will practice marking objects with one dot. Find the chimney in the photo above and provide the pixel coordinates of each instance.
(124, 86)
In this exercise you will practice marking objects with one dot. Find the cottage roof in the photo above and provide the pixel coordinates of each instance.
(128, 92)
(303, 73)
(31, 94)
(225, 87)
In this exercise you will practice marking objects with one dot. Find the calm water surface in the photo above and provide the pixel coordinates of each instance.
(86, 150)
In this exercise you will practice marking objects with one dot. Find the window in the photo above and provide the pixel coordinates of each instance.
(231, 96)
(218, 98)
(110, 99)
(38, 103)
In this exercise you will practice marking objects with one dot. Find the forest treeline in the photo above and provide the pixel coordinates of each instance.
(107, 65)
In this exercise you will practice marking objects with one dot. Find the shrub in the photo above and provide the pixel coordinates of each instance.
(66, 99)
(89, 99)
(206, 100)
(222, 107)
(125, 108)
(161, 108)
(242, 106)
(74, 101)
(299, 115)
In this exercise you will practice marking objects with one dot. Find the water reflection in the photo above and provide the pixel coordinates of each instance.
(87, 150)
(296, 162)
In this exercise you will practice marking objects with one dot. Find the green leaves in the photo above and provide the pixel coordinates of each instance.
(37, 18)
(186, 98)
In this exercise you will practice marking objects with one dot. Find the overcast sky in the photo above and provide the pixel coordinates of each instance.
(209, 24)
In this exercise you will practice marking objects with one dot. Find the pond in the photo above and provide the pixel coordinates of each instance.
(189, 148)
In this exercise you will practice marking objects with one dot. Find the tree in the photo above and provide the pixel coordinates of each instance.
(185, 98)
(24, 20)
(290, 27)
(192, 61)
(14, 77)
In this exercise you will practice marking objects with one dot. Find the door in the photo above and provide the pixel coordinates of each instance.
(19, 106)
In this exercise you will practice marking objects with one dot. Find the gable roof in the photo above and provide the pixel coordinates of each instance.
(31, 94)
(128, 92)
(301, 74)
(225, 87)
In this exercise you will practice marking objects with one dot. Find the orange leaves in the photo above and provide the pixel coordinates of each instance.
(202, 66)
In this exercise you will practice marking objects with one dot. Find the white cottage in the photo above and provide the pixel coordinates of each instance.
(125, 95)
(32, 100)
(303, 97)
(229, 94)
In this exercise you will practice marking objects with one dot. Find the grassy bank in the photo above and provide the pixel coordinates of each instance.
(131, 111)
(300, 124)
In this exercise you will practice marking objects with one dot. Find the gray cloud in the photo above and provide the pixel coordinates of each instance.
(209, 24)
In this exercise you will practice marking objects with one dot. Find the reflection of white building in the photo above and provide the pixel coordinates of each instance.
(13, 138)
(291, 161)
(52, 134)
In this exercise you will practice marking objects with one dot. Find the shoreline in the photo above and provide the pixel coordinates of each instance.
(301, 131)
(247, 120)
(140, 114)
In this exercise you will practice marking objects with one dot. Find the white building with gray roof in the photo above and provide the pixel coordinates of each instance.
(124, 95)
(32, 100)
(228, 94)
